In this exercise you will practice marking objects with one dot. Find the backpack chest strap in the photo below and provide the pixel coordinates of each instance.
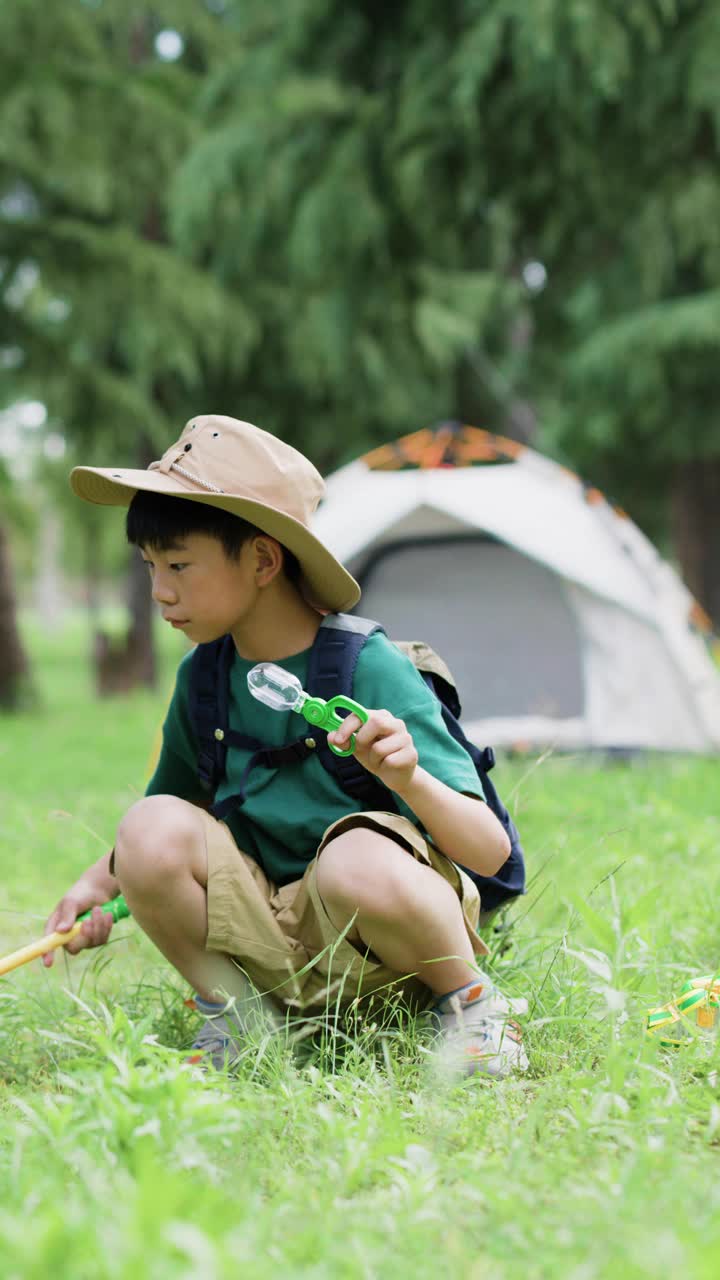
(263, 756)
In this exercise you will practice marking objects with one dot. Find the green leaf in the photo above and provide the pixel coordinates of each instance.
(597, 925)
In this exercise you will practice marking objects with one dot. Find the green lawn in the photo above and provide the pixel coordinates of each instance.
(349, 1159)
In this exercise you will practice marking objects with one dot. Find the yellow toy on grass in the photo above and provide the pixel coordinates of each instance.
(694, 1009)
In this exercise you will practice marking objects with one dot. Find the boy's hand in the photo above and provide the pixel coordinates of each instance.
(383, 746)
(95, 930)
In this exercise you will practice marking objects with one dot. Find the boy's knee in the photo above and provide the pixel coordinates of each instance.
(364, 871)
(158, 838)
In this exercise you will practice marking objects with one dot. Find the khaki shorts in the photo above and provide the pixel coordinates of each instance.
(284, 939)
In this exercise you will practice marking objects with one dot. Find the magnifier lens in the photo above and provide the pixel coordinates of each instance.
(275, 687)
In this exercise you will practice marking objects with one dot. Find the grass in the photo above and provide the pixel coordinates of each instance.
(348, 1159)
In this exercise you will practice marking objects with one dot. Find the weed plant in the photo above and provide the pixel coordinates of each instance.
(336, 1151)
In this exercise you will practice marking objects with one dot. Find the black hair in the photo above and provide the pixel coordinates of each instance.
(160, 520)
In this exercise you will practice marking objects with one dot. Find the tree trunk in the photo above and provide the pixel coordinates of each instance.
(140, 637)
(13, 662)
(124, 663)
(93, 571)
(695, 515)
(485, 397)
(48, 593)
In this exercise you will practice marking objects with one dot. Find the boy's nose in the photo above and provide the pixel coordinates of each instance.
(162, 591)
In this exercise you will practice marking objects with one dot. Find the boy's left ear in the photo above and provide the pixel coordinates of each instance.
(269, 560)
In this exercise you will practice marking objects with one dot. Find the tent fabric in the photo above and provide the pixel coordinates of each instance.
(526, 597)
(561, 622)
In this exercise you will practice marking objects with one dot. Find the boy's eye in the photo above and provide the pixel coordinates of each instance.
(176, 566)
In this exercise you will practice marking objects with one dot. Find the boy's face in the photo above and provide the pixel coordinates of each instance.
(199, 589)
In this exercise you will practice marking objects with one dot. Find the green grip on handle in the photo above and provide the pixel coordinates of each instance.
(117, 908)
(324, 715)
(347, 704)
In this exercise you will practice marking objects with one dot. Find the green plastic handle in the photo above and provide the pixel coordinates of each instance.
(324, 714)
(117, 908)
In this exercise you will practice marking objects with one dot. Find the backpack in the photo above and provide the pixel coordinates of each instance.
(331, 667)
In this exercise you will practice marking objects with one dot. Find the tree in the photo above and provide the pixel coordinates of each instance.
(392, 185)
(121, 336)
(614, 187)
(338, 188)
(338, 221)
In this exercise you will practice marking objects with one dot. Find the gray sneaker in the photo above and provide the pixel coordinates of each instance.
(224, 1036)
(477, 1035)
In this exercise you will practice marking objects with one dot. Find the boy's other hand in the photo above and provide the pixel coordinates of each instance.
(95, 930)
(383, 745)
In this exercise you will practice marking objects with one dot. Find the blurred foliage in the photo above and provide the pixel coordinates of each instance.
(339, 187)
(321, 217)
(633, 251)
(375, 181)
(115, 331)
(85, 527)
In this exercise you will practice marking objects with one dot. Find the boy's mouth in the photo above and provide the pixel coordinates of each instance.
(177, 622)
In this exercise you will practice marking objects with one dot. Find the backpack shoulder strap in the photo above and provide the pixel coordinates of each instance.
(331, 671)
(436, 672)
(334, 655)
(209, 682)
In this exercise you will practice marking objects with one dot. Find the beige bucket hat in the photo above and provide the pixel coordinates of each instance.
(223, 462)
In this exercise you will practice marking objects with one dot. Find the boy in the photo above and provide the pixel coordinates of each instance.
(296, 889)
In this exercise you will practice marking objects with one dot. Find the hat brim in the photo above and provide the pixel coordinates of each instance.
(328, 584)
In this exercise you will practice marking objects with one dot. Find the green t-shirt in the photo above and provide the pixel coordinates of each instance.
(287, 809)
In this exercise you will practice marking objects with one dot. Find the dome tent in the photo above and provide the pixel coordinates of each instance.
(559, 620)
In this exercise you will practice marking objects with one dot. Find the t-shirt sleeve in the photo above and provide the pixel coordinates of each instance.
(386, 678)
(176, 772)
